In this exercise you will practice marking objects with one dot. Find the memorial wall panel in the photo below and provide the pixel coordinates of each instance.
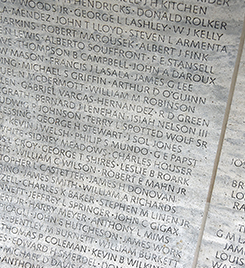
(224, 239)
(110, 118)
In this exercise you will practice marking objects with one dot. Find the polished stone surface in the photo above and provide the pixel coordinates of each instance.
(224, 236)
(111, 113)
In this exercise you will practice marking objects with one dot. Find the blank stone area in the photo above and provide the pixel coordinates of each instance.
(110, 116)
(224, 236)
